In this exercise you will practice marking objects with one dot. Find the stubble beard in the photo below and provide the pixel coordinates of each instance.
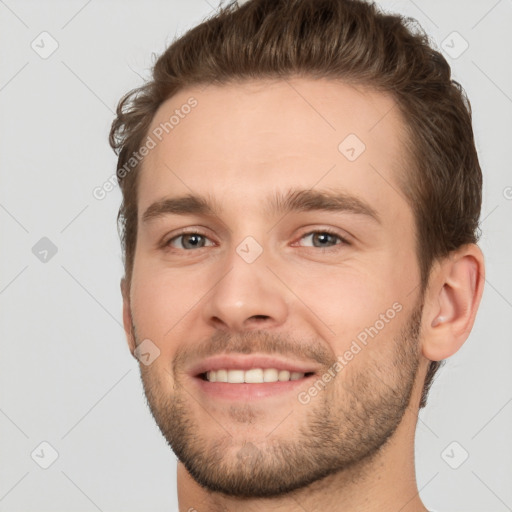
(341, 430)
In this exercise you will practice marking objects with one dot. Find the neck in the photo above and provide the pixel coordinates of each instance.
(386, 482)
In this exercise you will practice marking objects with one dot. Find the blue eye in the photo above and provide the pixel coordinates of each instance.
(188, 241)
(320, 239)
(323, 239)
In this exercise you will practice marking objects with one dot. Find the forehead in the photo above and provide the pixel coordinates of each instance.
(247, 140)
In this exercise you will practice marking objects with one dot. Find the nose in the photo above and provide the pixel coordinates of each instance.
(248, 296)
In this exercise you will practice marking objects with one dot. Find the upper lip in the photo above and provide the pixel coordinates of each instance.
(241, 362)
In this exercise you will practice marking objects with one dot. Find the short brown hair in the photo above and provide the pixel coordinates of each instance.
(348, 40)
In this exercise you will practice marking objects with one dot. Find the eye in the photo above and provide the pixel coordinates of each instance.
(188, 241)
(324, 239)
(319, 239)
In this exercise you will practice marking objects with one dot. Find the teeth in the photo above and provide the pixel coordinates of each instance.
(252, 376)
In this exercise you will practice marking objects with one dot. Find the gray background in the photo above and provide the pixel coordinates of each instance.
(66, 375)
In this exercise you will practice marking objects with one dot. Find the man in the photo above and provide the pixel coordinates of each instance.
(301, 194)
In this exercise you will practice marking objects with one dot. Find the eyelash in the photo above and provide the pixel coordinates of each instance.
(343, 241)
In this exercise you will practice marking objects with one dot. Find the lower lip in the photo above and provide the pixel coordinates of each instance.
(247, 392)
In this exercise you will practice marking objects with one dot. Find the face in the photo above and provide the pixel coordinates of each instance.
(274, 244)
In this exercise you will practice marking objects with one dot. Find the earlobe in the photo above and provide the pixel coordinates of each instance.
(127, 316)
(455, 293)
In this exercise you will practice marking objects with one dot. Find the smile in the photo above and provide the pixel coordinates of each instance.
(252, 376)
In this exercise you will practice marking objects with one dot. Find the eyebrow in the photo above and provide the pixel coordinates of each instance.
(278, 204)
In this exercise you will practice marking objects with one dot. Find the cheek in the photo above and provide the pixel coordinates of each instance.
(351, 301)
(161, 303)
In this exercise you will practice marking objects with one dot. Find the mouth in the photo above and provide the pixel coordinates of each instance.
(248, 378)
(252, 376)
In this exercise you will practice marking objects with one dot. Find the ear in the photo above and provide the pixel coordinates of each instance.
(453, 296)
(127, 315)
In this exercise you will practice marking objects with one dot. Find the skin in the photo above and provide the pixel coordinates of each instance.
(351, 448)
